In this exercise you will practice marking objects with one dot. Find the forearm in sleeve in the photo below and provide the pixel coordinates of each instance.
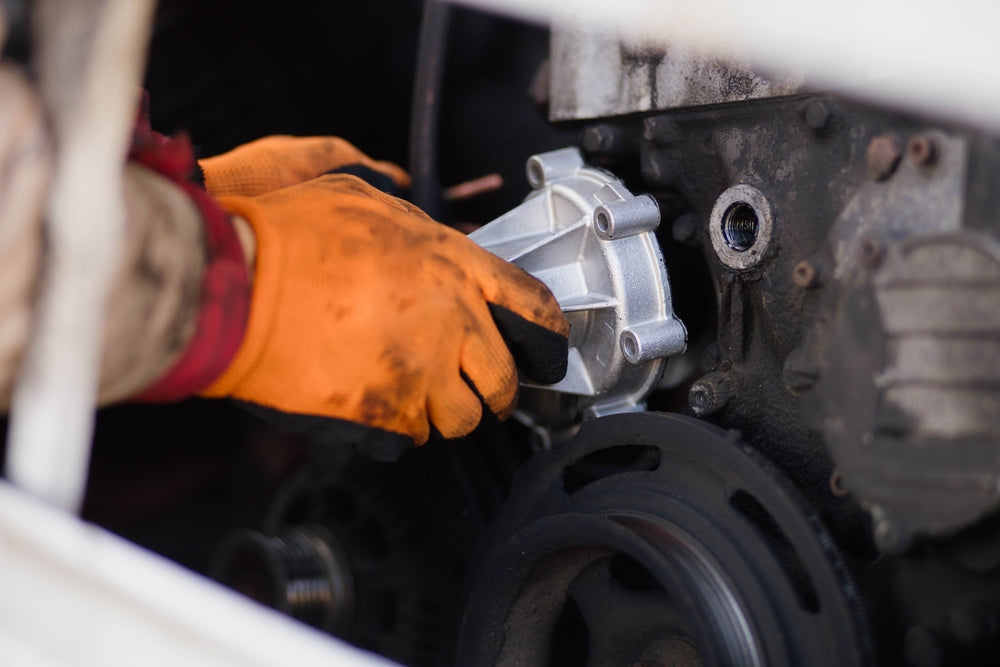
(153, 308)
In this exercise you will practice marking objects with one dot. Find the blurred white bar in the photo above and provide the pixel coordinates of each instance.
(931, 56)
(90, 56)
(72, 593)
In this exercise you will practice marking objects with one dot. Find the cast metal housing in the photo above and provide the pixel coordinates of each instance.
(591, 241)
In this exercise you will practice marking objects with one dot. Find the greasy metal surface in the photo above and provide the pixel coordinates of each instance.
(935, 59)
(906, 344)
(866, 337)
(806, 175)
(584, 235)
(594, 75)
(912, 416)
(845, 186)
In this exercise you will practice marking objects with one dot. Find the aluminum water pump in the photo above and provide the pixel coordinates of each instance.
(591, 241)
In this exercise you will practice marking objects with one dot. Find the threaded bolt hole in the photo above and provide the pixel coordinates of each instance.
(739, 226)
(603, 221)
(629, 345)
(536, 174)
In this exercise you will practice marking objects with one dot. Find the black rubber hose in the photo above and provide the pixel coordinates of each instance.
(426, 191)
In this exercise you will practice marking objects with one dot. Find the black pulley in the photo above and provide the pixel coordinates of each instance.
(659, 539)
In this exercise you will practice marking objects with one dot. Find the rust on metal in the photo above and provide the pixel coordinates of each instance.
(804, 274)
(922, 149)
(882, 156)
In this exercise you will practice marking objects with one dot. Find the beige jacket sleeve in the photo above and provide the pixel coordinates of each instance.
(24, 162)
(153, 306)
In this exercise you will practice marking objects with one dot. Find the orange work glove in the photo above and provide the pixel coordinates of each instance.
(366, 310)
(276, 162)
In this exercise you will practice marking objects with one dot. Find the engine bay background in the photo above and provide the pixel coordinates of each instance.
(799, 352)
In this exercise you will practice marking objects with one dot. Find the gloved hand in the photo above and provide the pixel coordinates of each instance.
(366, 310)
(279, 161)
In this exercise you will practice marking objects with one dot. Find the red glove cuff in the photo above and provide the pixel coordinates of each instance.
(225, 285)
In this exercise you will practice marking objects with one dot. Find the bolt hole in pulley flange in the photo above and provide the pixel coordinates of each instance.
(659, 539)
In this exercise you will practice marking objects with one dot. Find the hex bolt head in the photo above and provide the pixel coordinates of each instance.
(818, 116)
(710, 394)
(923, 150)
(805, 274)
(661, 131)
(701, 399)
(882, 156)
(598, 139)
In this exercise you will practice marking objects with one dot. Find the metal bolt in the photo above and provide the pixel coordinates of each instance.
(818, 115)
(710, 394)
(684, 227)
(598, 139)
(805, 274)
(871, 251)
(882, 156)
(661, 131)
(923, 150)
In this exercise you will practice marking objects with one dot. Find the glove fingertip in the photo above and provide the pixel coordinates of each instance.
(540, 353)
